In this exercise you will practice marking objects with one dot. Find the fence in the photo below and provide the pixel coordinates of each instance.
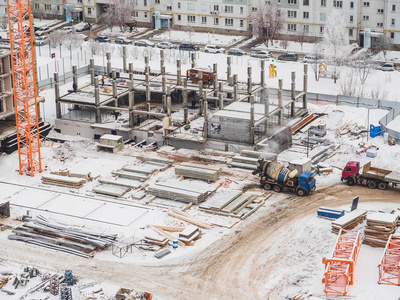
(63, 78)
(393, 114)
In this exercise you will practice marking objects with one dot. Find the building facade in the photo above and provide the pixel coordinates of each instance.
(365, 20)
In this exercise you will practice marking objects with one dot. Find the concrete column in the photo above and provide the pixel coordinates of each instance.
(115, 92)
(280, 102)
(266, 111)
(163, 80)
(146, 61)
(201, 102)
(252, 129)
(235, 79)
(305, 80)
(169, 101)
(161, 57)
(235, 93)
(148, 107)
(215, 81)
(57, 96)
(124, 58)
(91, 64)
(147, 76)
(205, 125)
(114, 74)
(293, 95)
(228, 68)
(75, 75)
(221, 96)
(193, 59)
(97, 100)
(186, 115)
(108, 55)
(185, 92)
(262, 72)
(131, 104)
(249, 82)
(131, 71)
(178, 72)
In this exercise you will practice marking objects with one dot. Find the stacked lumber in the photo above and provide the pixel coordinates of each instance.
(189, 234)
(244, 162)
(155, 240)
(184, 191)
(3, 281)
(58, 180)
(204, 172)
(61, 238)
(379, 227)
(349, 221)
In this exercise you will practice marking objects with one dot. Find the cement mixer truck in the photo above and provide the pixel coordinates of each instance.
(277, 177)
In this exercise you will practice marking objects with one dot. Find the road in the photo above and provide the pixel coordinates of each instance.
(227, 269)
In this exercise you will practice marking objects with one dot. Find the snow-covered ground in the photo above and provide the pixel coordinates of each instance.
(116, 31)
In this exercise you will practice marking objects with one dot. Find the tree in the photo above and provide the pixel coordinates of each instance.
(383, 43)
(39, 13)
(268, 21)
(118, 13)
(56, 37)
(363, 64)
(301, 36)
(3, 22)
(316, 53)
(335, 39)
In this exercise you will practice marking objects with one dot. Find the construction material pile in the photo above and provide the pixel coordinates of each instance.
(349, 221)
(64, 181)
(61, 238)
(379, 227)
(184, 191)
(244, 162)
(204, 172)
(189, 234)
(110, 143)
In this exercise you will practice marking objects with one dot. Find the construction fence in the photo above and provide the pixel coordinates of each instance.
(393, 114)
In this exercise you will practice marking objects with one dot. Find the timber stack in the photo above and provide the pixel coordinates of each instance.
(197, 171)
(379, 227)
(349, 221)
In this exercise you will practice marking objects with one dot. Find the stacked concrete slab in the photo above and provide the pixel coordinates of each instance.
(197, 171)
(110, 143)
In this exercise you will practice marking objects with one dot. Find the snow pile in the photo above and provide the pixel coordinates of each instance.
(198, 38)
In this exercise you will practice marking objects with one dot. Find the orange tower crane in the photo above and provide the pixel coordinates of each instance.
(25, 102)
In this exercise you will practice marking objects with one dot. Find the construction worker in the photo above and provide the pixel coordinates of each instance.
(74, 87)
(138, 120)
(193, 103)
(102, 81)
(116, 114)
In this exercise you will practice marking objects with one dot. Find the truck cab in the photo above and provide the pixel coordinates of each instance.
(351, 171)
(306, 183)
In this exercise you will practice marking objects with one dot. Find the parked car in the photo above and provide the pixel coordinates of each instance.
(387, 67)
(261, 54)
(82, 27)
(122, 40)
(188, 47)
(40, 41)
(310, 59)
(42, 30)
(288, 57)
(67, 29)
(166, 45)
(102, 39)
(144, 43)
(236, 51)
(82, 36)
(213, 49)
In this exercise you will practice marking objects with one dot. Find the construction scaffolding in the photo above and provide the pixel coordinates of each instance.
(340, 267)
(24, 85)
(389, 267)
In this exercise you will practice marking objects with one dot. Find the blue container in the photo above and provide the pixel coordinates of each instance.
(374, 131)
(282, 174)
(330, 212)
(175, 244)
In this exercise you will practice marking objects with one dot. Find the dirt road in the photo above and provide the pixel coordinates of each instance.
(228, 269)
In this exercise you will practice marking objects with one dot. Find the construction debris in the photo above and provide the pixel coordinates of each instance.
(204, 172)
(379, 227)
(349, 221)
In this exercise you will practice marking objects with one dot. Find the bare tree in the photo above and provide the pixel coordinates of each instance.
(383, 43)
(301, 36)
(56, 37)
(316, 53)
(39, 13)
(377, 92)
(54, 11)
(349, 85)
(118, 13)
(4, 23)
(363, 64)
(335, 39)
(268, 21)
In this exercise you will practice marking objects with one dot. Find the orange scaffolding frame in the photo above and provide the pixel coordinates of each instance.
(389, 267)
(340, 268)
(24, 86)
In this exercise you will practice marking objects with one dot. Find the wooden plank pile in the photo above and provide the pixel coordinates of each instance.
(189, 234)
(61, 238)
(244, 162)
(204, 172)
(349, 221)
(379, 227)
(184, 191)
(64, 181)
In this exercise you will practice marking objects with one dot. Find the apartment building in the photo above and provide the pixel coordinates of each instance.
(365, 20)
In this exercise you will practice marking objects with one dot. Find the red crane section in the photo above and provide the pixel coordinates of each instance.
(24, 85)
(389, 267)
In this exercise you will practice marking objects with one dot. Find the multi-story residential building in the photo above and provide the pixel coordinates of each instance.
(365, 20)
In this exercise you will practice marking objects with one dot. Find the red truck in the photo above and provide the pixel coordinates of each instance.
(199, 74)
(370, 176)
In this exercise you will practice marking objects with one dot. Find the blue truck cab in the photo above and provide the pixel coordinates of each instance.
(306, 182)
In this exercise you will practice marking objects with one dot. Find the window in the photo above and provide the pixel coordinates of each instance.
(338, 4)
(253, 9)
(79, 1)
(58, 7)
(379, 24)
(216, 7)
(323, 16)
(179, 17)
(306, 28)
(323, 2)
(392, 35)
(380, 10)
(365, 18)
(306, 15)
(351, 32)
(228, 8)
(351, 5)
(203, 20)
(157, 1)
(292, 2)
(135, 14)
(179, 5)
(169, 7)
(145, 14)
(144, 2)
(393, 22)
(393, 8)
(292, 14)
(241, 10)
(267, 2)
(306, 2)
(228, 22)
(321, 29)
(89, 11)
(37, 6)
(216, 21)
(191, 19)
(190, 6)
(203, 7)
(241, 23)
(366, 4)
(291, 27)
(47, 6)
(351, 19)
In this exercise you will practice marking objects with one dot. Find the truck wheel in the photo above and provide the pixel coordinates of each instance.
(277, 188)
(382, 185)
(267, 186)
(301, 192)
(350, 181)
(372, 184)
